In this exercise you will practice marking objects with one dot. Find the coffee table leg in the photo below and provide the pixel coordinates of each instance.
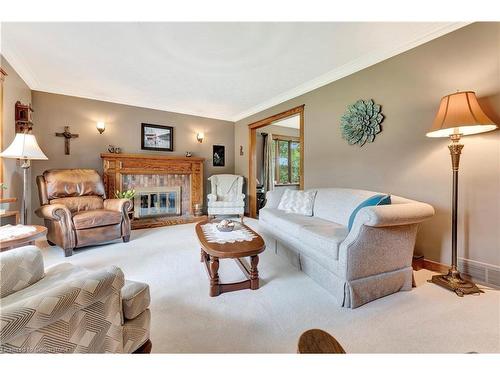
(254, 272)
(214, 276)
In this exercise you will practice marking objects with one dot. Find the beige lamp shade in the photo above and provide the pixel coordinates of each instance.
(24, 146)
(460, 113)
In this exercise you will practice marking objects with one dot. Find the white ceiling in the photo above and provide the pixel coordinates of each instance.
(220, 70)
(289, 122)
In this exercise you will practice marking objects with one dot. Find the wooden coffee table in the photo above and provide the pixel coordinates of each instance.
(25, 239)
(211, 252)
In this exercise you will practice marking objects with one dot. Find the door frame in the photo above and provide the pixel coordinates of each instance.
(252, 158)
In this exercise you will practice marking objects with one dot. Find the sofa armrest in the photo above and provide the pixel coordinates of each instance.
(273, 198)
(394, 214)
(57, 212)
(19, 269)
(382, 239)
(212, 198)
(21, 317)
(118, 204)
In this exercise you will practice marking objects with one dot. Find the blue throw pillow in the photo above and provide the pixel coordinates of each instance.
(376, 200)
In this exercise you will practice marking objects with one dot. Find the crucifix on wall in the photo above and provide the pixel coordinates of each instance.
(67, 138)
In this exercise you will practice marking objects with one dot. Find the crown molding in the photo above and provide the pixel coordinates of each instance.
(350, 68)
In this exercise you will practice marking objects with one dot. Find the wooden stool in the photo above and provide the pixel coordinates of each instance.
(317, 341)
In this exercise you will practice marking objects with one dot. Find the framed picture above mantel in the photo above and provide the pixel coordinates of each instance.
(157, 137)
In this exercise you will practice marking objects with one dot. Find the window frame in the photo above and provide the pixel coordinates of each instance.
(290, 139)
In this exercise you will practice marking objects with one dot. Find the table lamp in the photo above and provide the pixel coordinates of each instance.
(24, 147)
(459, 114)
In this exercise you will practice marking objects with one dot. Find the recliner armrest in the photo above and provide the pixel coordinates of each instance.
(57, 212)
(212, 198)
(120, 205)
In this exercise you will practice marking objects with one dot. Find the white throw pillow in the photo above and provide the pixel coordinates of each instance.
(297, 202)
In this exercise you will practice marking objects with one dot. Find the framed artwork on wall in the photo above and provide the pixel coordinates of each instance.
(157, 137)
(219, 157)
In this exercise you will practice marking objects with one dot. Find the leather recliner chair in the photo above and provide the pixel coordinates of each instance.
(76, 211)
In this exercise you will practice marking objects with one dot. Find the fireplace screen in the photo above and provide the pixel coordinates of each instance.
(160, 201)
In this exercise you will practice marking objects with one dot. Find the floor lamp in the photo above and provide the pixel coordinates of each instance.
(459, 114)
(24, 147)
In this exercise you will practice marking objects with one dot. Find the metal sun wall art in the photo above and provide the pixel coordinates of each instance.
(361, 122)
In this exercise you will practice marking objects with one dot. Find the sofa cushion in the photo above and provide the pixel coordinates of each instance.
(334, 204)
(287, 222)
(96, 218)
(226, 204)
(322, 240)
(135, 297)
(297, 201)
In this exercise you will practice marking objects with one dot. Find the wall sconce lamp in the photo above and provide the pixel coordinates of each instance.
(101, 126)
(200, 136)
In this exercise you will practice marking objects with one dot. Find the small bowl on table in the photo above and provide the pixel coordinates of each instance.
(225, 226)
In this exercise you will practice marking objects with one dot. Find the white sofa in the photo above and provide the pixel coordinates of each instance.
(372, 260)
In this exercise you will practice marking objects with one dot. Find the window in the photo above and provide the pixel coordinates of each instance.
(287, 159)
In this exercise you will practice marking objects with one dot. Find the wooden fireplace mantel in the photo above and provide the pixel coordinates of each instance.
(115, 166)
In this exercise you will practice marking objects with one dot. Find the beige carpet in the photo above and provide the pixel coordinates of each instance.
(269, 320)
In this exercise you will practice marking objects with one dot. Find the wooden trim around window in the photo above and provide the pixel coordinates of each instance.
(290, 140)
(280, 137)
(252, 158)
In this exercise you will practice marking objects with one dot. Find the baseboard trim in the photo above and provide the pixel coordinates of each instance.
(422, 263)
(435, 266)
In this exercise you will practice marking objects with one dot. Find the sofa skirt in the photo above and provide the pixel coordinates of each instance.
(349, 294)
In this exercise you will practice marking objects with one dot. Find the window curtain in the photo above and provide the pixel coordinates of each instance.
(268, 163)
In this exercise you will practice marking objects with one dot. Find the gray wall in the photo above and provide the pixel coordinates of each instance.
(123, 129)
(14, 89)
(402, 160)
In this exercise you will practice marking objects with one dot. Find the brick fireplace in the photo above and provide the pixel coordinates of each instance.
(167, 187)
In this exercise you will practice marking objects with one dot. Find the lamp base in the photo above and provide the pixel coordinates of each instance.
(454, 282)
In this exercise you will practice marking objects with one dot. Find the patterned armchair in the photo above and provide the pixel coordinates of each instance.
(76, 211)
(68, 309)
(226, 197)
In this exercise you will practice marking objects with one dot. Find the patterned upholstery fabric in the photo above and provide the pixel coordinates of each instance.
(69, 310)
(136, 298)
(19, 270)
(226, 197)
(136, 332)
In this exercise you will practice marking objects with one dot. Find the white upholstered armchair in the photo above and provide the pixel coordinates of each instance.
(226, 197)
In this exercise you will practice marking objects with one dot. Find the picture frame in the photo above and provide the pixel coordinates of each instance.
(219, 155)
(157, 137)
